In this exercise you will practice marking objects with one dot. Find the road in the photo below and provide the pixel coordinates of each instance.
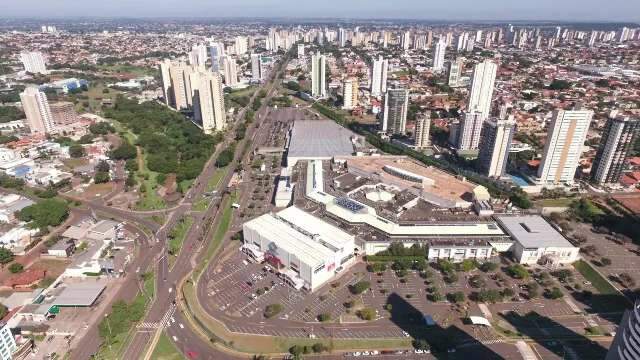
(192, 247)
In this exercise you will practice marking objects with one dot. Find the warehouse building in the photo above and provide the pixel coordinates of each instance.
(536, 241)
(306, 250)
(319, 140)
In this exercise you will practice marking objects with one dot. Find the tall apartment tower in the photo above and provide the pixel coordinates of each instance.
(36, 107)
(618, 138)
(565, 139)
(300, 51)
(625, 343)
(495, 141)
(396, 104)
(230, 71)
(350, 93)
(406, 40)
(438, 55)
(421, 133)
(455, 71)
(241, 45)
(198, 56)
(208, 100)
(256, 67)
(470, 129)
(33, 62)
(180, 85)
(342, 37)
(379, 77)
(482, 84)
(318, 76)
(167, 89)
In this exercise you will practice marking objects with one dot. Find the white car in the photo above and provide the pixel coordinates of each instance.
(366, 353)
(375, 352)
(418, 351)
(357, 353)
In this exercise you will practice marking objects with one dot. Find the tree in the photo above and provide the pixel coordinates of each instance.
(6, 256)
(488, 266)
(367, 314)
(48, 212)
(605, 261)
(421, 344)
(477, 281)
(272, 310)
(490, 296)
(467, 265)
(125, 151)
(101, 128)
(324, 317)
(517, 271)
(557, 84)
(319, 347)
(521, 200)
(101, 177)
(16, 268)
(360, 287)
(508, 293)
(225, 158)
(555, 293)
(456, 297)
(450, 278)
(436, 296)
(76, 151)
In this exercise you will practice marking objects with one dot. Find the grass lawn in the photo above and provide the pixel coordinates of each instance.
(608, 298)
(200, 205)
(150, 286)
(176, 238)
(165, 350)
(149, 199)
(562, 202)
(96, 94)
(124, 68)
(599, 282)
(216, 178)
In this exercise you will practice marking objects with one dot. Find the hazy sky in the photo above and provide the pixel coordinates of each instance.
(579, 10)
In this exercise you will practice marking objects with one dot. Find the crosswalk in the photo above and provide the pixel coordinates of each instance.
(158, 324)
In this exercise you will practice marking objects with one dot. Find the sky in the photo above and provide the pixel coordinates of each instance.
(567, 10)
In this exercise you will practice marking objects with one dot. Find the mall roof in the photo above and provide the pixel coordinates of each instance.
(319, 139)
(297, 232)
(532, 231)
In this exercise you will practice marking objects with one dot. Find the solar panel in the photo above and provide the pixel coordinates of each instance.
(349, 204)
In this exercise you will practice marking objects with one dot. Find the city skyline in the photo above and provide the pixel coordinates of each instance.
(467, 10)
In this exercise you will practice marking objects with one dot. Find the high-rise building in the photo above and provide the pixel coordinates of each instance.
(300, 51)
(421, 132)
(379, 76)
(63, 113)
(396, 104)
(33, 62)
(342, 37)
(318, 76)
(618, 138)
(167, 89)
(256, 67)
(230, 71)
(625, 343)
(36, 107)
(455, 71)
(482, 84)
(198, 56)
(470, 128)
(406, 40)
(495, 141)
(179, 88)
(350, 93)
(565, 140)
(241, 45)
(7, 342)
(216, 51)
(438, 55)
(208, 100)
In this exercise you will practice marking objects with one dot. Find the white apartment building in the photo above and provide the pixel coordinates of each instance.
(379, 77)
(482, 84)
(565, 140)
(350, 93)
(438, 55)
(318, 76)
(495, 142)
(36, 107)
(230, 71)
(208, 100)
(470, 129)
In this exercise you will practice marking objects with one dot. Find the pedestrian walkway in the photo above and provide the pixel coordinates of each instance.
(526, 351)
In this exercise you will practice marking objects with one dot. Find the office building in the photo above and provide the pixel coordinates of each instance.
(562, 150)
(256, 67)
(379, 77)
(241, 45)
(230, 71)
(216, 51)
(455, 71)
(208, 101)
(469, 132)
(36, 107)
(350, 93)
(438, 55)
(33, 62)
(396, 103)
(318, 76)
(495, 142)
(63, 113)
(618, 138)
(625, 342)
(482, 84)
(307, 251)
(421, 133)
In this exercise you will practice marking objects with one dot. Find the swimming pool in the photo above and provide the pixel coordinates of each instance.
(519, 180)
